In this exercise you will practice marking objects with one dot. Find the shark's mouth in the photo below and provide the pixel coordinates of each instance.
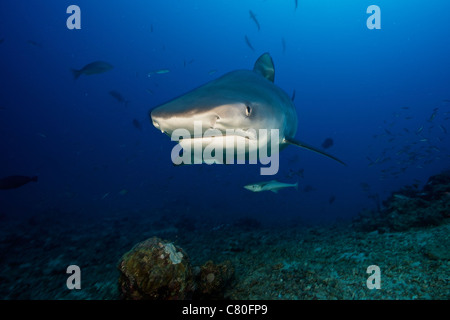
(216, 149)
(214, 133)
(240, 143)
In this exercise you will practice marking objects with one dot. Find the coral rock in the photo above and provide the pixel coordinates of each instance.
(155, 269)
(212, 280)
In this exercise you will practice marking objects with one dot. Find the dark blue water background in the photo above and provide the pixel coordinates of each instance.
(352, 84)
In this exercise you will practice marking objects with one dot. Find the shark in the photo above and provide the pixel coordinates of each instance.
(241, 101)
(272, 185)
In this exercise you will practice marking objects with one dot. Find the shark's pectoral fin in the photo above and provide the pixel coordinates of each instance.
(274, 190)
(311, 148)
(264, 66)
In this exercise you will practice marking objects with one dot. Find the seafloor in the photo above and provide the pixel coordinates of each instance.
(270, 262)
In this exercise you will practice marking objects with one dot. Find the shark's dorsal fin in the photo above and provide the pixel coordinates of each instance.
(264, 66)
(311, 148)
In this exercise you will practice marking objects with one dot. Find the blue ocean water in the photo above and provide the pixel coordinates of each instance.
(382, 96)
(351, 84)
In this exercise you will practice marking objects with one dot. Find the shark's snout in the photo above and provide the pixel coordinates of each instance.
(167, 121)
(164, 121)
(155, 123)
(156, 119)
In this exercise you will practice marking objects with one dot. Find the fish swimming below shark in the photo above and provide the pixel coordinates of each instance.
(239, 101)
(272, 185)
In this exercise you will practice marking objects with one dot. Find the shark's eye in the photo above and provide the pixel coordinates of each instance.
(248, 110)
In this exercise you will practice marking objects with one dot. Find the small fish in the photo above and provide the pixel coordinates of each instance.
(328, 142)
(443, 128)
(419, 130)
(296, 5)
(123, 192)
(149, 91)
(435, 149)
(160, 71)
(308, 188)
(211, 72)
(405, 108)
(247, 41)
(331, 200)
(371, 161)
(92, 68)
(13, 182)
(272, 185)
(40, 134)
(151, 28)
(34, 43)
(116, 95)
(253, 17)
(137, 124)
(293, 95)
(105, 195)
(433, 115)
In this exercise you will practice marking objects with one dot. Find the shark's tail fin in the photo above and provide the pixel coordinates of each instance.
(296, 186)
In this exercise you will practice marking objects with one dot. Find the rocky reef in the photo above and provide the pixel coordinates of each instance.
(410, 207)
(212, 280)
(156, 269)
(407, 238)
